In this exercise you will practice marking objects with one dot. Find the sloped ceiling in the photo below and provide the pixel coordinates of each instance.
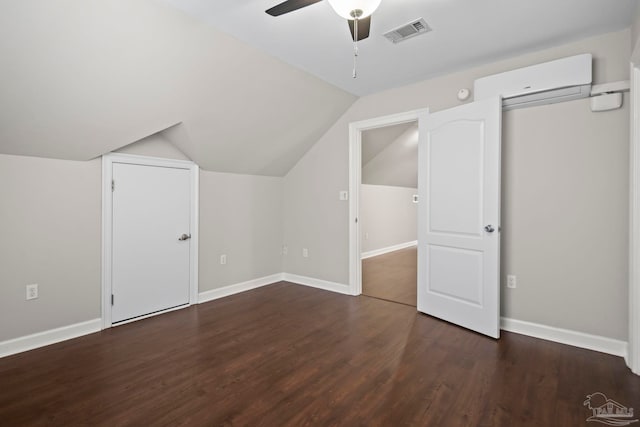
(396, 164)
(81, 78)
(376, 140)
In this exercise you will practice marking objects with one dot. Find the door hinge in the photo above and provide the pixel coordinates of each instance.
(113, 185)
(111, 299)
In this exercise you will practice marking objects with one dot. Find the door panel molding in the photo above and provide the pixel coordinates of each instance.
(107, 224)
(459, 215)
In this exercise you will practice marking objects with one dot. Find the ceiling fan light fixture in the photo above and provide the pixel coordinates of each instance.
(345, 8)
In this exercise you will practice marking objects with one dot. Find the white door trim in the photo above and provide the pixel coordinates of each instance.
(355, 179)
(633, 356)
(107, 209)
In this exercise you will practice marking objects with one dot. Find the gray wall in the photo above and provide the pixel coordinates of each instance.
(155, 145)
(388, 216)
(396, 164)
(579, 154)
(83, 78)
(635, 28)
(50, 214)
(565, 183)
(240, 216)
(565, 217)
(50, 223)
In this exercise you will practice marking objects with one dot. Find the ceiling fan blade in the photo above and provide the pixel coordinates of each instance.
(364, 25)
(289, 6)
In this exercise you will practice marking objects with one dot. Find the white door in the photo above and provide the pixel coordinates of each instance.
(151, 212)
(459, 216)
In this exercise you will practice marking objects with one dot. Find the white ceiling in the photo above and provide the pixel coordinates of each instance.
(465, 33)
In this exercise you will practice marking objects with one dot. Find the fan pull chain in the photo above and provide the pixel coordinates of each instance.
(355, 48)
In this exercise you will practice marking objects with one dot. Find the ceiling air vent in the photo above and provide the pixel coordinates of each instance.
(407, 31)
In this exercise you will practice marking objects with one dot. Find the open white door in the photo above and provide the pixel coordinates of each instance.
(459, 216)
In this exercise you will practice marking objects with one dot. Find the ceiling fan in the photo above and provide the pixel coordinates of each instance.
(357, 12)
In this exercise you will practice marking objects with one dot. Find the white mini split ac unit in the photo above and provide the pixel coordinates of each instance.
(556, 81)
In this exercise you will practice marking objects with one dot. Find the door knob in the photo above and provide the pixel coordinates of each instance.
(184, 237)
(489, 229)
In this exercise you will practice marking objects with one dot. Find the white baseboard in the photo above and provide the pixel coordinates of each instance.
(388, 249)
(549, 333)
(41, 339)
(317, 283)
(268, 280)
(52, 336)
(565, 336)
(238, 287)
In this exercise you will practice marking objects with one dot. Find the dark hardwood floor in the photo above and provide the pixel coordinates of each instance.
(289, 355)
(392, 276)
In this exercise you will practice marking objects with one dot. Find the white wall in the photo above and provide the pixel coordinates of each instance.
(50, 235)
(388, 216)
(579, 153)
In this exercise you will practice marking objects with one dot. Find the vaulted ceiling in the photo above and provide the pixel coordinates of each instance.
(390, 156)
(232, 88)
(80, 78)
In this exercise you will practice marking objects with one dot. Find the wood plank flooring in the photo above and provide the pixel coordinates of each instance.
(392, 276)
(289, 355)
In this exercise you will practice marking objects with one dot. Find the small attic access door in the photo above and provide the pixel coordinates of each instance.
(149, 236)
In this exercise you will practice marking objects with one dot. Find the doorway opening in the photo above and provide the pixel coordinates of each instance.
(458, 212)
(357, 236)
(388, 213)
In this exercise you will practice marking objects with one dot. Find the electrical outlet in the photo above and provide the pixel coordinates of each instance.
(223, 259)
(511, 281)
(305, 252)
(285, 250)
(32, 291)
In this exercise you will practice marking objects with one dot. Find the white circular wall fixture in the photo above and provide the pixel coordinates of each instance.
(463, 94)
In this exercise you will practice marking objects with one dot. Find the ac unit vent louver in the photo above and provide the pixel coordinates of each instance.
(407, 31)
(560, 80)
